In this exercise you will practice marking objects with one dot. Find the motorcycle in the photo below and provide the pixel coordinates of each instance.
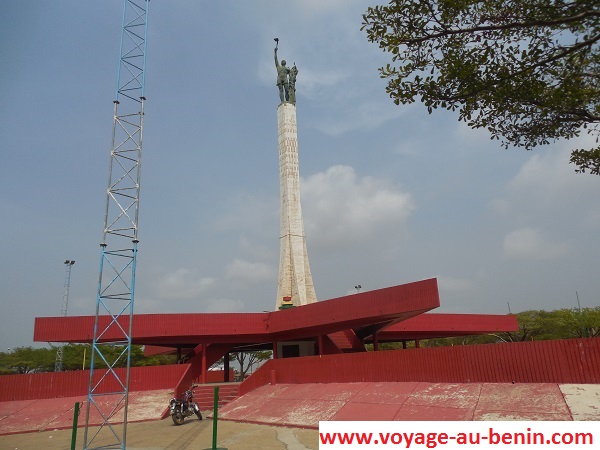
(185, 407)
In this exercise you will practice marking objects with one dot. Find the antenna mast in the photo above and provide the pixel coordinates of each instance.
(111, 346)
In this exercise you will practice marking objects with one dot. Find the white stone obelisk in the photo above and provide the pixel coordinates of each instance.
(295, 286)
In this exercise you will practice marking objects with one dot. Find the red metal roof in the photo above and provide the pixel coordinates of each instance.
(397, 311)
(361, 312)
(435, 325)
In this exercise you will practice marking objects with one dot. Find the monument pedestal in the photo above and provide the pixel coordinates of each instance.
(295, 280)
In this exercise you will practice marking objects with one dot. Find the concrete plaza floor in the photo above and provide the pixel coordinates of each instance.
(164, 435)
(287, 416)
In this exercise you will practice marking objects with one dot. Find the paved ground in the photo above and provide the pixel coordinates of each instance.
(307, 404)
(276, 407)
(57, 413)
(193, 434)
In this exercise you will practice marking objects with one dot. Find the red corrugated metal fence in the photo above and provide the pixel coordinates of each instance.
(564, 361)
(74, 383)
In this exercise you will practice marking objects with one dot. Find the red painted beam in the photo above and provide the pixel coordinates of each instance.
(401, 306)
(434, 325)
(356, 311)
(158, 329)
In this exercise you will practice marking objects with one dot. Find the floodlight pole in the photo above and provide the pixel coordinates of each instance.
(58, 365)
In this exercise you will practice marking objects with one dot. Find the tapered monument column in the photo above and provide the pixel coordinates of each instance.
(295, 285)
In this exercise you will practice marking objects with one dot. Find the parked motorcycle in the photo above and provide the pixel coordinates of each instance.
(184, 407)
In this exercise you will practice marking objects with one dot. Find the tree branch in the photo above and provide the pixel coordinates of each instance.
(566, 51)
(509, 26)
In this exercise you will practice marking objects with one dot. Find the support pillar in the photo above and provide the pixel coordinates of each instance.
(375, 342)
(204, 368)
(274, 350)
(226, 367)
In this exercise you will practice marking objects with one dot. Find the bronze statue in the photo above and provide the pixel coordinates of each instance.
(292, 84)
(287, 87)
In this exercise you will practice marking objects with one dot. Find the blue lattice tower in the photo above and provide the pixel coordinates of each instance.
(111, 347)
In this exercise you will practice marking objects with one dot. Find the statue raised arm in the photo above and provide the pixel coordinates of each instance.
(282, 76)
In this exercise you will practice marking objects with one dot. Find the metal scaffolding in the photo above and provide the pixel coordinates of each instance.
(111, 347)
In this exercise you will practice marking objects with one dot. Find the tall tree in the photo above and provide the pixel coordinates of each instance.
(558, 324)
(246, 360)
(27, 360)
(528, 71)
(75, 357)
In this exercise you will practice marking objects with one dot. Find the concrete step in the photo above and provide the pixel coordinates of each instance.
(204, 395)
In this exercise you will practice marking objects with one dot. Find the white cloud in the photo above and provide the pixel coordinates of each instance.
(256, 248)
(249, 272)
(545, 194)
(548, 179)
(500, 206)
(224, 305)
(308, 9)
(453, 284)
(532, 244)
(547, 173)
(181, 284)
(407, 147)
(250, 213)
(364, 116)
(339, 207)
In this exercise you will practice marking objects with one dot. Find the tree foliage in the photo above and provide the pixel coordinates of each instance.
(537, 325)
(244, 362)
(528, 71)
(27, 360)
(557, 324)
(247, 360)
(75, 357)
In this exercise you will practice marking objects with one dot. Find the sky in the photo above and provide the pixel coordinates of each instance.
(390, 194)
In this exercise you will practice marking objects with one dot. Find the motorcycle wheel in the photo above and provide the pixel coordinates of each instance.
(197, 411)
(178, 418)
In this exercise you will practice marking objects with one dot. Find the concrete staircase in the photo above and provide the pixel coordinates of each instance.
(204, 394)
